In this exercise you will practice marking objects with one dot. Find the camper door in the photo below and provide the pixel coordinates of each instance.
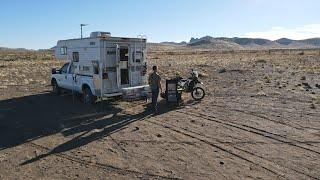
(110, 71)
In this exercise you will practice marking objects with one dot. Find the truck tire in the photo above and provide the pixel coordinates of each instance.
(55, 87)
(88, 97)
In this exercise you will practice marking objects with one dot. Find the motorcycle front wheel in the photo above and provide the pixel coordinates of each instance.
(198, 93)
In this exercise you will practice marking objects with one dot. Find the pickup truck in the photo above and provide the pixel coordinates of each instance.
(66, 79)
(89, 86)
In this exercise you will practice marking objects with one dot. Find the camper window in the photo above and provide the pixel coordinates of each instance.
(75, 56)
(63, 50)
(139, 55)
(124, 56)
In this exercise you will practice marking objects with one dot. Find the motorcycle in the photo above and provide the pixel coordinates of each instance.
(189, 85)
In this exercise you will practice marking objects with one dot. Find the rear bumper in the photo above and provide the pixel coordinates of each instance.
(135, 92)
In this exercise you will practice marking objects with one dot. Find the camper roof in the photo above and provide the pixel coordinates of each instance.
(110, 38)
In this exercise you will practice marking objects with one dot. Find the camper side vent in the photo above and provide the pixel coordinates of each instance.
(100, 34)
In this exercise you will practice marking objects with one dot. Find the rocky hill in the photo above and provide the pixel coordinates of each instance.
(248, 43)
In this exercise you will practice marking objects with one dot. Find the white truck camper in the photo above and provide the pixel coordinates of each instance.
(102, 66)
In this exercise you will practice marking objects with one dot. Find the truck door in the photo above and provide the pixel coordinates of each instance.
(62, 77)
(70, 80)
(110, 71)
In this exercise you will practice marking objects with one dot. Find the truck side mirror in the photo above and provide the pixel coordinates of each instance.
(53, 71)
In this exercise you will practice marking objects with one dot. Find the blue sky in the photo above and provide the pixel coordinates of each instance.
(37, 24)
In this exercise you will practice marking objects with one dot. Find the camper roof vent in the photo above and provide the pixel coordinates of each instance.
(100, 34)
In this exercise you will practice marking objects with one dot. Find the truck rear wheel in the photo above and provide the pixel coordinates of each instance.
(55, 88)
(88, 97)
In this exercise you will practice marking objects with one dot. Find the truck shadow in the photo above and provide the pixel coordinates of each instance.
(28, 118)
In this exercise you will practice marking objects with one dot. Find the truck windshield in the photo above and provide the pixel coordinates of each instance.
(64, 68)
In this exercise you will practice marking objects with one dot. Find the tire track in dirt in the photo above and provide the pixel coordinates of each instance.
(256, 114)
(100, 165)
(313, 114)
(282, 109)
(220, 142)
(203, 140)
(251, 129)
(291, 99)
(206, 117)
(299, 172)
(263, 116)
(231, 151)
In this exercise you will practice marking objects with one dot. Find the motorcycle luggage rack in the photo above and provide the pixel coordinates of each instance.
(173, 95)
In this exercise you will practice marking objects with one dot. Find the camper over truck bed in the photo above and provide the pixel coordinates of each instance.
(101, 66)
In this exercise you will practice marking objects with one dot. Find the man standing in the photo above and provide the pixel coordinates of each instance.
(155, 85)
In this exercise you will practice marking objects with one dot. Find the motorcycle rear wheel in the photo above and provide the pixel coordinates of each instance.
(198, 93)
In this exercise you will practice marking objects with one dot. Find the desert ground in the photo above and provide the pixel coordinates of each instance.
(260, 119)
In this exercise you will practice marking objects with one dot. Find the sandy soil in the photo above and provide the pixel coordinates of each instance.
(259, 120)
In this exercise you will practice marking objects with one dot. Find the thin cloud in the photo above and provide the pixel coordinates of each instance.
(297, 33)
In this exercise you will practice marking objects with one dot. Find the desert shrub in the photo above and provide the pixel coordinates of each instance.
(261, 61)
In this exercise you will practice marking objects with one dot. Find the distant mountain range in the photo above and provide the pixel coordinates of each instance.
(208, 42)
(6, 49)
(245, 43)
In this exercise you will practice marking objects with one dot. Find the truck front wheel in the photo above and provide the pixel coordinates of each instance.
(88, 98)
(55, 88)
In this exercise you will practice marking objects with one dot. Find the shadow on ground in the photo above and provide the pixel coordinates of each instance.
(28, 118)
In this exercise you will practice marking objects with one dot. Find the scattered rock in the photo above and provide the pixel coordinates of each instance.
(261, 93)
(303, 78)
(223, 70)
(261, 61)
(267, 79)
(203, 75)
(307, 86)
(136, 129)
(36, 154)
(318, 86)
(312, 106)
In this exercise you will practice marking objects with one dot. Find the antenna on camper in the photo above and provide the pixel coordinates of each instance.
(142, 36)
(81, 25)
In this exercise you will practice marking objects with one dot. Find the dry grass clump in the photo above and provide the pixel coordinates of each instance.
(24, 68)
